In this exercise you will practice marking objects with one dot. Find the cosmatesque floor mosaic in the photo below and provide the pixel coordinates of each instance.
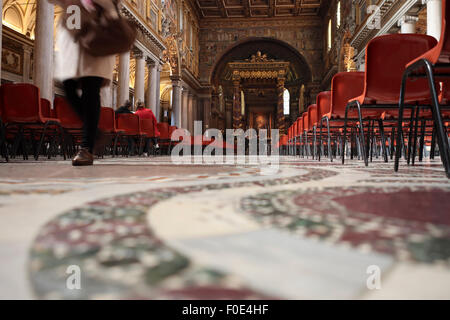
(144, 228)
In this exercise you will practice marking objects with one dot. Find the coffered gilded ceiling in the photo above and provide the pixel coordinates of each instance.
(257, 8)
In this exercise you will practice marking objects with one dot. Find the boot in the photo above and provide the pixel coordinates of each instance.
(83, 158)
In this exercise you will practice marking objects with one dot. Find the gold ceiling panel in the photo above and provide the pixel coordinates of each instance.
(257, 8)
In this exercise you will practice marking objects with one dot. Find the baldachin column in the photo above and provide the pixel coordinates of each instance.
(281, 123)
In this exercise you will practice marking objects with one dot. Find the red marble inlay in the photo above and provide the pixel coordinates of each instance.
(431, 206)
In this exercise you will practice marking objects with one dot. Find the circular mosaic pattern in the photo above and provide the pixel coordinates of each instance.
(409, 223)
(121, 257)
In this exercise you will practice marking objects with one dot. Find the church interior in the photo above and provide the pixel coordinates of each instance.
(350, 95)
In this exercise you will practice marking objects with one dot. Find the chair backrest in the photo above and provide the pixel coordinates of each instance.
(46, 108)
(107, 121)
(163, 128)
(283, 140)
(323, 104)
(294, 129)
(345, 86)
(147, 127)
(172, 130)
(20, 103)
(66, 115)
(305, 121)
(386, 58)
(312, 115)
(128, 122)
(299, 126)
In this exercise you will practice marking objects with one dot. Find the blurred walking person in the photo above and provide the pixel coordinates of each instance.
(82, 71)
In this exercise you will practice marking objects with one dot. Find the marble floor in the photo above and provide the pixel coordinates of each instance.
(145, 228)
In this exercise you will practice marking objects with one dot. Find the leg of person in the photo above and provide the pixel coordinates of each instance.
(71, 87)
(90, 101)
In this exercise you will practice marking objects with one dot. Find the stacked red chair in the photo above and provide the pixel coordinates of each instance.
(130, 125)
(323, 108)
(165, 135)
(107, 124)
(70, 121)
(22, 115)
(313, 119)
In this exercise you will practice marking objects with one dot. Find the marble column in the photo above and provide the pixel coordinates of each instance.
(184, 109)
(176, 101)
(106, 96)
(151, 88)
(26, 63)
(237, 123)
(408, 24)
(124, 79)
(191, 113)
(158, 91)
(281, 122)
(43, 49)
(139, 81)
(434, 17)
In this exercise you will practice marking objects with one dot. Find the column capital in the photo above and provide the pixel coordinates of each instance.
(150, 62)
(407, 19)
(138, 54)
(185, 91)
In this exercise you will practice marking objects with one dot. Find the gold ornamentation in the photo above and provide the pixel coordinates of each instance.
(259, 57)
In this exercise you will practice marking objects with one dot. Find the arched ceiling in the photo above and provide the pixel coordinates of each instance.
(23, 14)
(299, 71)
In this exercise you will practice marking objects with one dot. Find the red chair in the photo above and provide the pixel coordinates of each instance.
(323, 108)
(294, 137)
(148, 128)
(344, 86)
(70, 121)
(434, 64)
(21, 107)
(290, 139)
(305, 133)
(298, 134)
(130, 124)
(383, 78)
(165, 135)
(282, 144)
(46, 108)
(313, 120)
(107, 124)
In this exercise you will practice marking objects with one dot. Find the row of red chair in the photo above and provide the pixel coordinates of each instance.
(24, 115)
(406, 76)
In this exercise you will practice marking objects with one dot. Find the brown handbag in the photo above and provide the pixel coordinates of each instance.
(101, 35)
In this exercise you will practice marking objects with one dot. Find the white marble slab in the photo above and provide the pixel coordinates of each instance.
(279, 264)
